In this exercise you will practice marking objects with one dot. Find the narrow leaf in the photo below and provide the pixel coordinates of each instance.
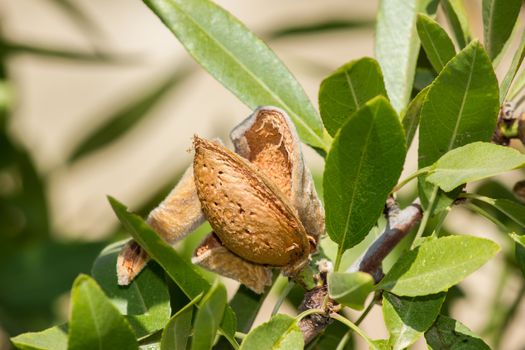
(437, 265)
(456, 15)
(412, 115)
(280, 333)
(518, 86)
(178, 329)
(513, 69)
(347, 89)
(461, 106)
(94, 322)
(511, 209)
(145, 302)
(350, 289)
(397, 45)
(436, 42)
(499, 19)
(54, 338)
(184, 274)
(472, 162)
(208, 317)
(246, 305)
(448, 333)
(366, 157)
(117, 124)
(240, 61)
(408, 318)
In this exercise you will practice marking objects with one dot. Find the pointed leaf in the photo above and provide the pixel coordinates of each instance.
(461, 106)
(280, 333)
(472, 162)
(366, 158)
(448, 333)
(397, 45)
(407, 318)
(178, 329)
(520, 239)
(436, 42)
(437, 265)
(350, 289)
(513, 70)
(184, 274)
(208, 317)
(514, 211)
(499, 19)
(456, 15)
(54, 338)
(145, 302)
(412, 115)
(94, 322)
(240, 61)
(519, 84)
(347, 89)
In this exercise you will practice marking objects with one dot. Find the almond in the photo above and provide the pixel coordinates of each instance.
(249, 214)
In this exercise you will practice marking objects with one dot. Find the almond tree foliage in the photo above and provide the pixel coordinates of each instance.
(424, 78)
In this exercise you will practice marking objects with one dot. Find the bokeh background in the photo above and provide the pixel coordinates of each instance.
(98, 97)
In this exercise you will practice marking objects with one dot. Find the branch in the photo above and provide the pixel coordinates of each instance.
(399, 224)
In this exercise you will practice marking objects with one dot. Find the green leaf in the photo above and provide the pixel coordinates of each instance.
(397, 45)
(178, 329)
(513, 69)
(208, 317)
(347, 89)
(456, 15)
(518, 86)
(350, 289)
(240, 61)
(54, 338)
(447, 333)
(366, 157)
(408, 318)
(184, 274)
(499, 19)
(461, 106)
(412, 115)
(472, 162)
(436, 42)
(280, 333)
(246, 305)
(117, 124)
(437, 265)
(511, 209)
(520, 239)
(145, 302)
(380, 344)
(94, 322)
(312, 27)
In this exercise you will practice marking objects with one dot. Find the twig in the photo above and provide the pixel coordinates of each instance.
(399, 224)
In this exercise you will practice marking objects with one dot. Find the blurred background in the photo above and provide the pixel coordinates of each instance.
(98, 97)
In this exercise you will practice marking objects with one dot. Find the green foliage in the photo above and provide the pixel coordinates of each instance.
(436, 42)
(176, 334)
(208, 317)
(447, 333)
(499, 19)
(437, 265)
(397, 45)
(240, 61)
(54, 338)
(407, 318)
(513, 69)
(348, 89)
(280, 333)
(145, 302)
(472, 162)
(412, 115)
(95, 322)
(184, 274)
(456, 15)
(350, 289)
(367, 156)
(461, 106)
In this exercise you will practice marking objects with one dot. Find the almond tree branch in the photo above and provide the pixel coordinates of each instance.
(399, 224)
